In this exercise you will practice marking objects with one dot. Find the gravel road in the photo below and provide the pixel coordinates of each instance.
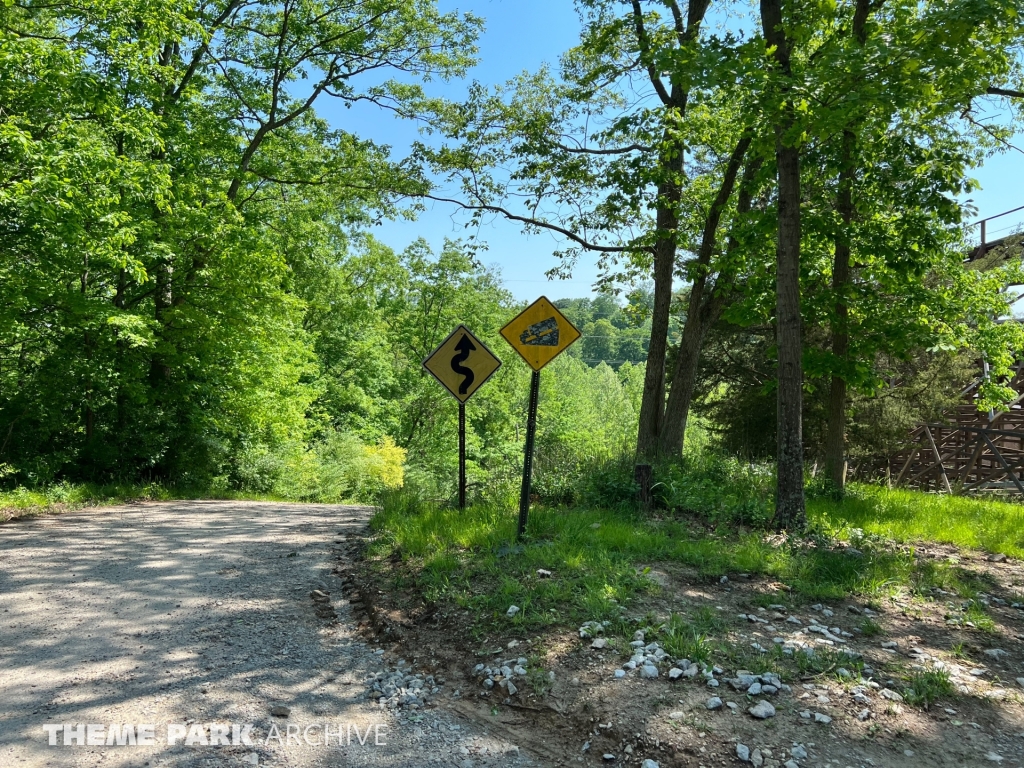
(196, 614)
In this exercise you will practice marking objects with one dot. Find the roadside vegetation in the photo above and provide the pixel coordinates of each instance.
(599, 554)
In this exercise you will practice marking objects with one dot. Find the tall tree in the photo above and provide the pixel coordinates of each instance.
(790, 512)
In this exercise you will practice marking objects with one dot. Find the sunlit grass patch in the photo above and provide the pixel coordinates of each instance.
(904, 515)
(975, 615)
(926, 688)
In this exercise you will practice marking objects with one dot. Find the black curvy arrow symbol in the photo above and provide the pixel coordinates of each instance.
(465, 346)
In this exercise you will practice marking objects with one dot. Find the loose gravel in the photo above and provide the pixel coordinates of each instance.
(203, 613)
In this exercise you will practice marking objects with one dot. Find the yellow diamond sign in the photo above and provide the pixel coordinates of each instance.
(462, 363)
(540, 333)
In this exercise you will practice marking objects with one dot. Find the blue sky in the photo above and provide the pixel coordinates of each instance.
(522, 35)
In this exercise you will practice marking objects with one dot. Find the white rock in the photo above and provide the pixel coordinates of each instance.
(675, 673)
(996, 653)
(601, 642)
(690, 671)
(648, 763)
(512, 611)
(620, 673)
(1020, 682)
(805, 714)
(712, 683)
(608, 756)
(754, 689)
(713, 703)
(756, 759)
(648, 671)
(743, 752)
(891, 695)
(891, 644)
(791, 764)
(512, 690)
(762, 710)
(820, 718)
(994, 757)
(798, 752)
(677, 715)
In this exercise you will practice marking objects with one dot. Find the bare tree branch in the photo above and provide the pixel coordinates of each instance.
(541, 224)
(993, 91)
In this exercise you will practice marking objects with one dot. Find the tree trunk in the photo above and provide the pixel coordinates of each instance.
(705, 307)
(790, 512)
(835, 438)
(652, 406)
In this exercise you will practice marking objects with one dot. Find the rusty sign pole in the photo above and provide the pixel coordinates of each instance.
(531, 432)
(462, 456)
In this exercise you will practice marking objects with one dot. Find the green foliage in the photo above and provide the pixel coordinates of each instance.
(335, 468)
(717, 487)
(164, 182)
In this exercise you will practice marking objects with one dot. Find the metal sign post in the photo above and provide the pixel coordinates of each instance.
(462, 456)
(461, 364)
(539, 334)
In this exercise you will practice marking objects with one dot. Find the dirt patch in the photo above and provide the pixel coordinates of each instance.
(909, 680)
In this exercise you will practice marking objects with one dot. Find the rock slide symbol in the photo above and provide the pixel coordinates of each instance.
(542, 334)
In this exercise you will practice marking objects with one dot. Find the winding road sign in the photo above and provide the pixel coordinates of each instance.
(540, 333)
(462, 363)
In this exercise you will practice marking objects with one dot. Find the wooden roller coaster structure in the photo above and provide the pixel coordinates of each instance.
(973, 451)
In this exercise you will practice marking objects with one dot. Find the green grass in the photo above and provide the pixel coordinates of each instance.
(976, 614)
(597, 559)
(902, 515)
(60, 497)
(928, 687)
(598, 556)
(870, 628)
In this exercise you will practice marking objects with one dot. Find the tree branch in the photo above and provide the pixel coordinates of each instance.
(611, 151)
(993, 91)
(645, 50)
(542, 224)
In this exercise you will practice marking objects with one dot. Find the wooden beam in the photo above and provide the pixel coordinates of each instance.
(970, 464)
(938, 458)
(1006, 466)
